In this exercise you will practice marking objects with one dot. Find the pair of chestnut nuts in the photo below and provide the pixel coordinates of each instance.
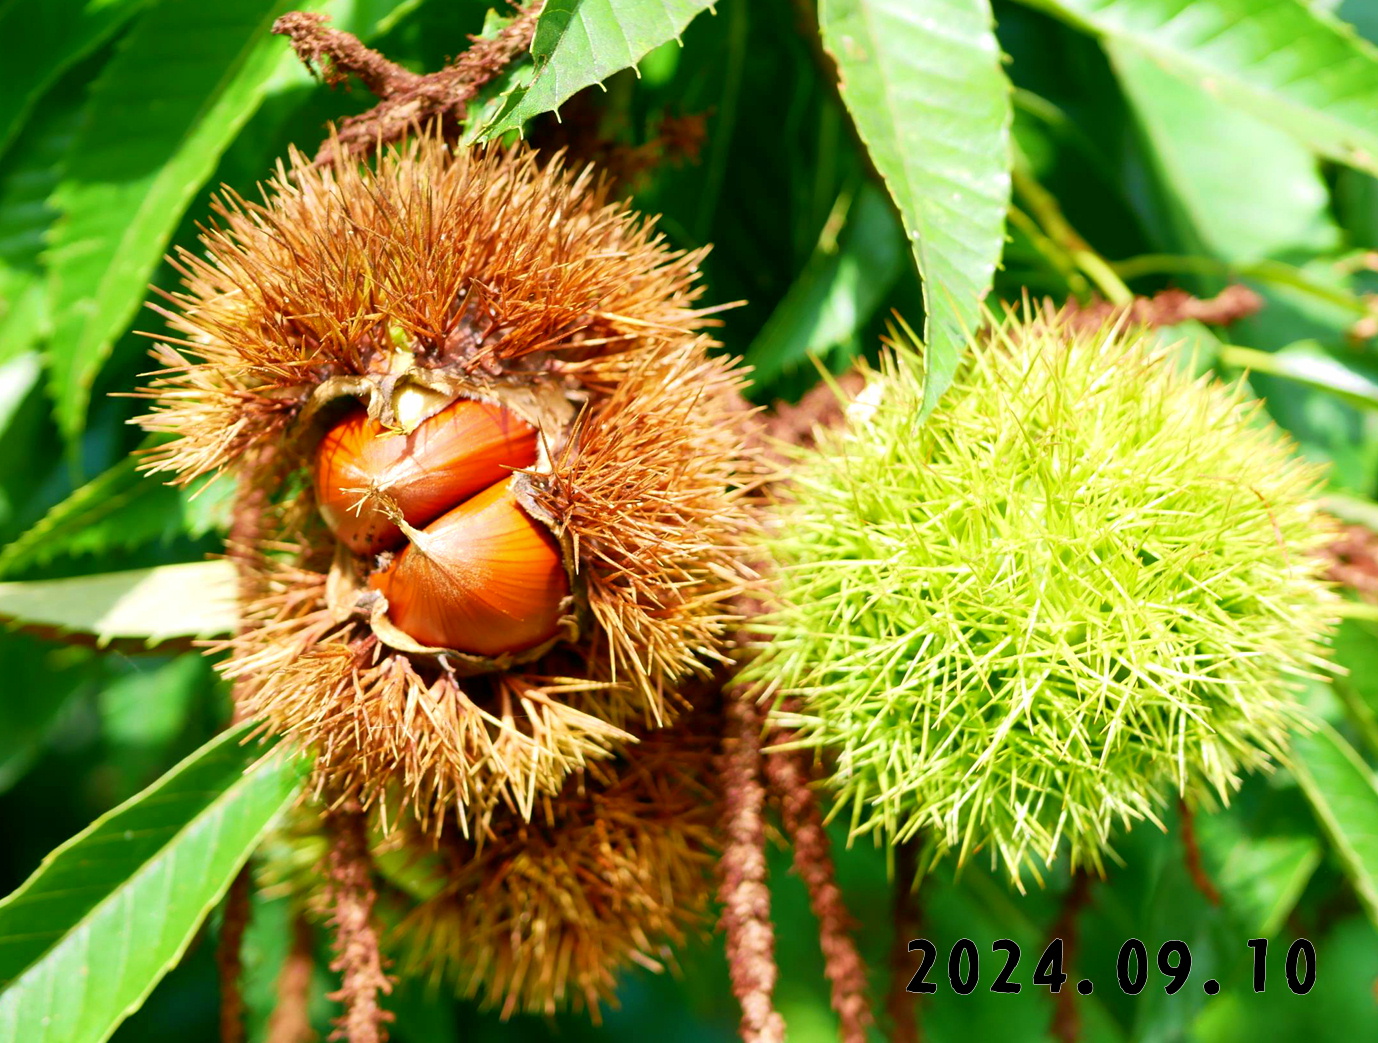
(473, 571)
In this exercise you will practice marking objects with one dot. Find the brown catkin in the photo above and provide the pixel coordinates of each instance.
(790, 778)
(358, 956)
(743, 890)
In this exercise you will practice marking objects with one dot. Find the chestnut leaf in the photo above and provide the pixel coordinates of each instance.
(1288, 63)
(196, 599)
(86, 938)
(183, 82)
(38, 42)
(1343, 792)
(922, 81)
(578, 43)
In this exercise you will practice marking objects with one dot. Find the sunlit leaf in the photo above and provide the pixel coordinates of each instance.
(197, 599)
(922, 81)
(1287, 63)
(1307, 362)
(578, 43)
(1239, 188)
(18, 375)
(86, 938)
(1353, 509)
(181, 85)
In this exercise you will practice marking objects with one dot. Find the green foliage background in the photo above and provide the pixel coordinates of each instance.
(1149, 143)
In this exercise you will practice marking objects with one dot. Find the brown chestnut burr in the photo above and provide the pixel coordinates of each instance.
(486, 578)
(363, 468)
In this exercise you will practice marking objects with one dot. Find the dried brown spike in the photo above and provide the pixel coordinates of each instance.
(545, 915)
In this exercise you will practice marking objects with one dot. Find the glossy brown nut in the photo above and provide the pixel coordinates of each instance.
(486, 578)
(465, 447)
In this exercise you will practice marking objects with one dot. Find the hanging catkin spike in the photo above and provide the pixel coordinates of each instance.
(791, 780)
(742, 887)
(358, 955)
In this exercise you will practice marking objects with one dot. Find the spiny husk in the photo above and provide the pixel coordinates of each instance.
(486, 275)
(1087, 580)
(614, 871)
(480, 259)
(543, 915)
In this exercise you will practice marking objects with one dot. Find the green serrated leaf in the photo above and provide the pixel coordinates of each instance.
(578, 43)
(1240, 189)
(1287, 63)
(80, 522)
(27, 178)
(118, 510)
(87, 937)
(1343, 793)
(922, 81)
(39, 41)
(198, 599)
(837, 293)
(181, 85)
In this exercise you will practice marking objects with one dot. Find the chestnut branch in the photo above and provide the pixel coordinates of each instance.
(407, 100)
(358, 954)
(1168, 308)
(1066, 1024)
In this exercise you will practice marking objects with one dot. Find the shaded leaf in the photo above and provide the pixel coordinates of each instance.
(1344, 796)
(40, 683)
(86, 938)
(149, 706)
(1347, 958)
(1354, 647)
(922, 81)
(39, 41)
(181, 85)
(118, 510)
(1361, 14)
(198, 599)
(1260, 877)
(267, 943)
(1288, 64)
(838, 292)
(578, 43)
